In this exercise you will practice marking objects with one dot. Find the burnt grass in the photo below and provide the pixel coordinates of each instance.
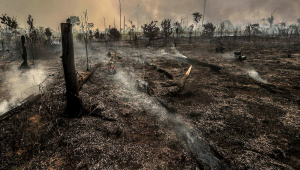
(246, 124)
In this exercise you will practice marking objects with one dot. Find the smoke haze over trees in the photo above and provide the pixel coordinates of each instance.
(249, 11)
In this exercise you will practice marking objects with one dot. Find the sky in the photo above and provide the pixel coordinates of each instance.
(50, 13)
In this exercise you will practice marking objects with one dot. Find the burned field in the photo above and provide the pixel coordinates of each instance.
(229, 114)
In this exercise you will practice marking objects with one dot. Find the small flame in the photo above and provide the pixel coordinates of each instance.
(189, 70)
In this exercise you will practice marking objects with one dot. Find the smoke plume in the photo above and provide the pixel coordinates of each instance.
(253, 74)
(191, 139)
(20, 84)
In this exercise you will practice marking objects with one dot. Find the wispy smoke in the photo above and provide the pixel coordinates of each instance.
(191, 139)
(229, 56)
(253, 74)
(177, 53)
(20, 84)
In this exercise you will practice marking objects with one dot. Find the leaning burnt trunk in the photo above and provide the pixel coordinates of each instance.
(74, 103)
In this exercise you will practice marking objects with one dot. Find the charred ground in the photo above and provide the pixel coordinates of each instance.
(242, 122)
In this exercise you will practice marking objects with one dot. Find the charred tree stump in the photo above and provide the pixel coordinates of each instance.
(74, 103)
(24, 55)
(178, 86)
(181, 83)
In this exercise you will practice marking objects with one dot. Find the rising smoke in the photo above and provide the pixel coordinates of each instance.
(229, 56)
(191, 139)
(19, 84)
(177, 53)
(253, 74)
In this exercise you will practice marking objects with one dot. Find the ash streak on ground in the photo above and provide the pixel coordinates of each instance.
(193, 142)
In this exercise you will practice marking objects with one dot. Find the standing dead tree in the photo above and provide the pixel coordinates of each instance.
(235, 34)
(24, 55)
(32, 38)
(105, 33)
(222, 26)
(74, 103)
(204, 11)
(85, 31)
(271, 19)
(190, 29)
(251, 28)
(120, 15)
(124, 25)
(131, 32)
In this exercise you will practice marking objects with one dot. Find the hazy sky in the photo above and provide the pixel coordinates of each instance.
(50, 13)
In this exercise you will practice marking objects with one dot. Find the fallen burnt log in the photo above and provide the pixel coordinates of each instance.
(160, 70)
(203, 64)
(29, 101)
(83, 79)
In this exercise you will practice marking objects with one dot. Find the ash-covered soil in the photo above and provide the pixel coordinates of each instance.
(243, 116)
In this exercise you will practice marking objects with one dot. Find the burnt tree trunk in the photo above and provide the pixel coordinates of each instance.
(87, 55)
(74, 103)
(24, 55)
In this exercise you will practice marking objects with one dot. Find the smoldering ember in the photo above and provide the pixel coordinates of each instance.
(160, 84)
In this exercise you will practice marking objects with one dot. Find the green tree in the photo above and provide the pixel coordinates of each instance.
(48, 33)
(251, 28)
(97, 34)
(150, 30)
(209, 30)
(75, 20)
(166, 26)
(114, 34)
(197, 17)
(10, 22)
(90, 25)
(178, 28)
